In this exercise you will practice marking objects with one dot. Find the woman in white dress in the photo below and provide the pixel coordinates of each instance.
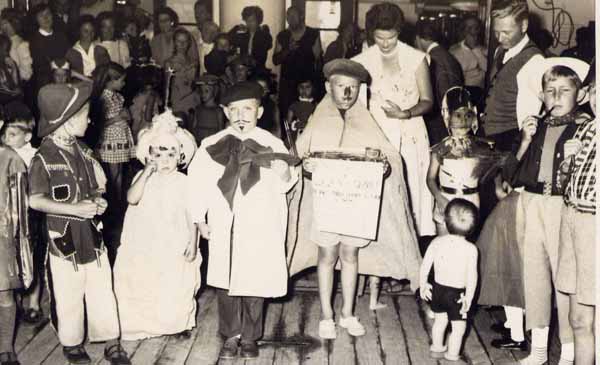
(400, 94)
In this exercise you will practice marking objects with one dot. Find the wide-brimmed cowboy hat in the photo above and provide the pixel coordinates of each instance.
(59, 102)
(534, 80)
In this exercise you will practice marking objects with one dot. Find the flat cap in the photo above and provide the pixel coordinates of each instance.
(342, 66)
(241, 91)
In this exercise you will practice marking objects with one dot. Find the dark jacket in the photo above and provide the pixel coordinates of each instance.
(45, 49)
(525, 172)
(501, 103)
(445, 73)
(261, 43)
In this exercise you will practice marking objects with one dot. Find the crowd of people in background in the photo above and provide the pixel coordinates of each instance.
(525, 236)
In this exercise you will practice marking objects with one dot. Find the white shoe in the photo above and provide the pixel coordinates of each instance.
(353, 326)
(531, 360)
(327, 329)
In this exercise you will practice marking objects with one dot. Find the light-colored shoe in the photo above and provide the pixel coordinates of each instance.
(532, 360)
(437, 352)
(327, 329)
(353, 326)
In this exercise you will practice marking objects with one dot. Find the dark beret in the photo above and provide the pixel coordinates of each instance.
(241, 91)
(342, 66)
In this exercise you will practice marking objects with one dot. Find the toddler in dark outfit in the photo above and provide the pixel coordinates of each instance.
(454, 260)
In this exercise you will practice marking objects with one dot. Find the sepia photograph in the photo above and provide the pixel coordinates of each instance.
(298, 182)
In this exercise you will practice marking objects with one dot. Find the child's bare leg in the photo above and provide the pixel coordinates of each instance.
(438, 330)
(582, 320)
(349, 257)
(34, 294)
(116, 177)
(327, 259)
(374, 303)
(455, 339)
(8, 310)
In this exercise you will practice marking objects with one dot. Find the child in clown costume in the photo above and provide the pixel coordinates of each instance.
(157, 270)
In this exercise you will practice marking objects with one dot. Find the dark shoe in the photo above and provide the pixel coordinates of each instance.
(506, 343)
(116, 355)
(500, 329)
(183, 335)
(9, 358)
(33, 316)
(249, 350)
(76, 355)
(230, 348)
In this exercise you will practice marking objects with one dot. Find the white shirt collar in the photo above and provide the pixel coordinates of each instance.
(511, 52)
(431, 46)
(44, 33)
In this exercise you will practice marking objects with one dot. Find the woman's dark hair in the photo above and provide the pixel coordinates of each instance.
(38, 9)
(88, 19)
(5, 42)
(428, 31)
(105, 15)
(103, 74)
(183, 31)
(255, 11)
(14, 17)
(385, 16)
(170, 13)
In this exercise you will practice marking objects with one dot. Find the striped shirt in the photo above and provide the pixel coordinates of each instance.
(581, 188)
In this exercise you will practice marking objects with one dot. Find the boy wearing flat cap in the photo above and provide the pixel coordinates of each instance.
(339, 121)
(242, 176)
(63, 185)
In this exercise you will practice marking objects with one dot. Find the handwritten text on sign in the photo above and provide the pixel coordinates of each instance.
(347, 195)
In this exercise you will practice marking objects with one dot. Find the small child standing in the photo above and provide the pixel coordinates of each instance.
(301, 109)
(454, 261)
(208, 117)
(12, 170)
(270, 120)
(115, 146)
(157, 271)
(62, 185)
(17, 134)
(182, 98)
(453, 161)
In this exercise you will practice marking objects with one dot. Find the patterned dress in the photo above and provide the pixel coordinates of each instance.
(409, 136)
(116, 141)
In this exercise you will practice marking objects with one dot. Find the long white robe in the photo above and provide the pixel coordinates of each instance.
(258, 222)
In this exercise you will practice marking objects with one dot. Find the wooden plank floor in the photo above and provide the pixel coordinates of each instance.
(397, 334)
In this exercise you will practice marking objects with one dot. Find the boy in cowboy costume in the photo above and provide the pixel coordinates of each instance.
(63, 185)
(241, 179)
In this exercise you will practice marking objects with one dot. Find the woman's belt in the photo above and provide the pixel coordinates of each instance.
(454, 191)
